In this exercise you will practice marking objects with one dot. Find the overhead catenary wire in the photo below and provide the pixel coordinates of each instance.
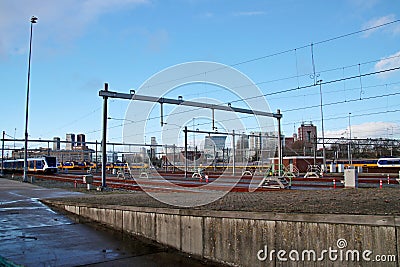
(277, 54)
(282, 52)
(295, 50)
(287, 90)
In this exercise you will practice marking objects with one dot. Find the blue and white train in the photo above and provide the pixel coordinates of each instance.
(389, 162)
(41, 165)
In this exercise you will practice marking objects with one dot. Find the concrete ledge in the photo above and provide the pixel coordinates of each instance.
(236, 238)
(373, 220)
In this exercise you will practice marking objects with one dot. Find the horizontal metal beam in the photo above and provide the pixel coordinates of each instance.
(69, 142)
(359, 141)
(182, 102)
(222, 133)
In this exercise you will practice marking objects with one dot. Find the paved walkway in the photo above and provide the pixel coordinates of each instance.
(31, 234)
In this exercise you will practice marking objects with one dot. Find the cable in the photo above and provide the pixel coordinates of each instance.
(307, 74)
(342, 102)
(284, 51)
(287, 90)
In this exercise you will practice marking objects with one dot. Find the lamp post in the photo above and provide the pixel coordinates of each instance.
(322, 124)
(25, 178)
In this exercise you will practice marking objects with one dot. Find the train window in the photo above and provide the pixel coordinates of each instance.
(31, 164)
(51, 161)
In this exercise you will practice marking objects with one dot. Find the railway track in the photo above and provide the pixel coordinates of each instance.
(167, 182)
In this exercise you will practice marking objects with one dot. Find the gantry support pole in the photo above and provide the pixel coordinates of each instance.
(186, 151)
(234, 152)
(104, 140)
(280, 160)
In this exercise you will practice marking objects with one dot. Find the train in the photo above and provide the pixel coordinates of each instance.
(40, 165)
(389, 163)
(71, 165)
(356, 162)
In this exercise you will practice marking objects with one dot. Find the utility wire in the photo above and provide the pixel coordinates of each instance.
(287, 90)
(281, 52)
(342, 102)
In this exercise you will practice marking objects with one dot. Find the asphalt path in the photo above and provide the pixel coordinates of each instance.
(32, 234)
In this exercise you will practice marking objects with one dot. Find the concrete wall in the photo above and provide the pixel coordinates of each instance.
(235, 238)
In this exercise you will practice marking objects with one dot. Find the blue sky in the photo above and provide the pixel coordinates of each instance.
(80, 44)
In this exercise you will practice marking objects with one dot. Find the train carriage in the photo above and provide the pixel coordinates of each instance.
(40, 164)
(389, 163)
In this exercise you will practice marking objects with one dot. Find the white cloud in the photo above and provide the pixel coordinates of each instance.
(59, 21)
(366, 130)
(364, 4)
(389, 62)
(376, 22)
(157, 40)
(249, 13)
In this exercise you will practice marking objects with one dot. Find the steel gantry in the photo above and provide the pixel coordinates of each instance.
(360, 141)
(133, 96)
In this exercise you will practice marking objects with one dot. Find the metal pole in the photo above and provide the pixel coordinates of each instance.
(194, 146)
(173, 167)
(315, 150)
(322, 124)
(104, 141)
(279, 142)
(2, 154)
(260, 157)
(96, 157)
(186, 151)
(213, 119)
(215, 156)
(166, 157)
(25, 178)
(234, 152)
(350, 157)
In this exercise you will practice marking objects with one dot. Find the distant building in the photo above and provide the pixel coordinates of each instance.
(242, 142)
(70, 138)
(112, 156)
(56, 143)
(307, 132)
(80, 140)
(242, 147)
(153, 148)
(217, 141)
(77, 155)
(214, 146)
(289, 141)
(266, 139)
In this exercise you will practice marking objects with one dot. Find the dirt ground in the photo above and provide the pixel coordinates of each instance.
(373, 201)
(340, 201)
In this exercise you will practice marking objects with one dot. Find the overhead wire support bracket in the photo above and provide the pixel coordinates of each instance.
(133, 96)
(179, 101)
